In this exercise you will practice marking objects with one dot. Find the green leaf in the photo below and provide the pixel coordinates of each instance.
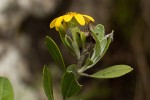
(100, 31)
(68, 42)
(54, 52)
(113, 72)
(72, 68)
(47, 83)
(96, 52)
(62, 34)
(6, 89)
(97, 48)
(76, 50)
(70, 86)
(105, 45)
(83, 39)
(88, 62)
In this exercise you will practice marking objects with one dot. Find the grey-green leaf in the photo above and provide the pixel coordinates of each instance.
(100, 31)
(54, 52)
(99, 53)
(97, 48)
(105, 44)
(47, 83)
(96, 51)
(70, 86)
(6, 89)
(68, 42)
(113, 72)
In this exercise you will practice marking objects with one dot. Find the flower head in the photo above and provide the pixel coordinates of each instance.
(71, 17)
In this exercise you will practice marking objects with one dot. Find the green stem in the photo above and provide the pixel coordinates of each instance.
(75, 39)
(80, 60)
(83, 69)
(83, 74)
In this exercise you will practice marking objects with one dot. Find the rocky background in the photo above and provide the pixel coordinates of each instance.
(25, 23)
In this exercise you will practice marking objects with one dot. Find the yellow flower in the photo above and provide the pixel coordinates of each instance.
(80, 18)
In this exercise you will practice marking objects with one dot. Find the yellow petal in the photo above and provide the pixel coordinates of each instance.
(58, 21)
(67, 18)
(89, 17)
(56, 28)
(80, 19)
(52, 24)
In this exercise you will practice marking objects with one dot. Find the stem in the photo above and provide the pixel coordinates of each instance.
(80, 60)
(83, 74)
(74, 37)
(82, 57)
(83, 69)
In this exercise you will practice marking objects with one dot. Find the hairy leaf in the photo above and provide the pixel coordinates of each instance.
(100, 31)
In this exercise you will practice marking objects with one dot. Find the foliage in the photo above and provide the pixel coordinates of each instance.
(6, 89)
(88, 47)
(47, 83)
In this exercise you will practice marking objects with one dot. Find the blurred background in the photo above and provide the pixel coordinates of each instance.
(25, 23)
